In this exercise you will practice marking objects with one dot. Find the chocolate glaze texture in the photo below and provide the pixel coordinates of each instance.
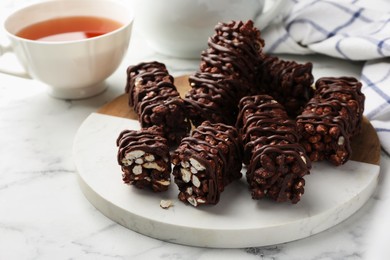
(144, 158)
(156, 101)
(331, 119)
(228, 71)
(276, 161)
(289, 82)
(206, 162)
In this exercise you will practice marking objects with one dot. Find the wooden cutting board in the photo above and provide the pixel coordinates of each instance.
(365, 147)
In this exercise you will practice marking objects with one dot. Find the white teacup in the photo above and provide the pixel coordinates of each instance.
(76, 68)
(180, 28)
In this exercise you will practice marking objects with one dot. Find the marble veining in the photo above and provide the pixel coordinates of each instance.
(44, 214)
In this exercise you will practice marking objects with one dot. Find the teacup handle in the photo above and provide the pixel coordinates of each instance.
(4, 49)
(263, 20)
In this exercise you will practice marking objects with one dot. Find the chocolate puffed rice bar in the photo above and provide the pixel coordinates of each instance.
(156, 101)
(276, 161)
(348, 90)
(236, 49)
(144, 159)
(229, 70)
(331, 118)
(213, 97)
(206, 162)
(288, 82)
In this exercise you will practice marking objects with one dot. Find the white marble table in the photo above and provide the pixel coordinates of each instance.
(44, 214)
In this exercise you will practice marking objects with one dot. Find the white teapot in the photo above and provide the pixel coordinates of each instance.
(181, 28)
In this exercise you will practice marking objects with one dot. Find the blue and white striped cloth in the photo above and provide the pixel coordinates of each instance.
(346, 29)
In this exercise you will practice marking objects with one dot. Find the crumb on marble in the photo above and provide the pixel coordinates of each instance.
(165, 204)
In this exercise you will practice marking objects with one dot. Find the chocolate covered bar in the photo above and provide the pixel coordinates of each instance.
(144, 158)
(236, 49)
(156, 101)
(276, 161)
(331, 118)
(289, 82)
(213, 97)
(228, 71)
(206, 162)
(347, 90)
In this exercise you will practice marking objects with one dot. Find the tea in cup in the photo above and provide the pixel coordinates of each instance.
(181, 28)
(70, 45)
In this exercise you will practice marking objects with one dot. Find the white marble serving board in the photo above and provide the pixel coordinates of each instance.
(332, 194)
